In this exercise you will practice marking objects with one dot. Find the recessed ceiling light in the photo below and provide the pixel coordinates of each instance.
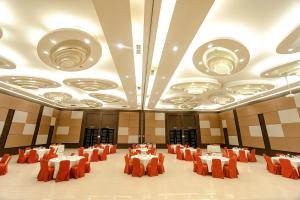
(298, 62)
(291, 49)
(46, 52)
(200, 63)
(210, 46)
(120, 46)
(241, 60)
(87, 41)
(53, 41)
(163, 77)
(237, 50)
(126, 76)
(91, 59)
(175, 48)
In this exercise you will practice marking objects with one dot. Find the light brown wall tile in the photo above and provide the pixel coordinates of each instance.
(272, 117)
(16, 128)
(122, 139)
(291, 130)
(18, 140)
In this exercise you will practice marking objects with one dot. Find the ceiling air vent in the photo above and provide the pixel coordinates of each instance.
(138, 49)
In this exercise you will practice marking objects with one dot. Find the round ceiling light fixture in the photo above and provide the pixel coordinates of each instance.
(90, 84)
(107, 98)
(290, 44)
(288, 69)
(6, 64)
(91, 103)
(221, 98)
(197, 87)
(28, 82)
(58, 97)
(221, 57)
(184, 102)
(248, 87)
(70, 51)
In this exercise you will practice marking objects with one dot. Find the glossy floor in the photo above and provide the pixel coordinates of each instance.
(107, 181)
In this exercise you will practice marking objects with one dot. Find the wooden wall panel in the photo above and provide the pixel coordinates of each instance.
(155, 130)
(210, 128)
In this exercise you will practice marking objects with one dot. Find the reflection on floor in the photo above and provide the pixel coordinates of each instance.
(107, 181)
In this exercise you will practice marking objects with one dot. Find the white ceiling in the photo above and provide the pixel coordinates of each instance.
(169, 33)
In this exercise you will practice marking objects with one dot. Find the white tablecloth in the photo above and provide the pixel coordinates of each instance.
(90, 151)
(214, 149)
(143, 150)
(59, 148)
(294, 161)
(174, 146)
(237, 151)
(208, 161)
(40, 152)
(109, 145)
(145, 159)
(74, 160)
(192, 150)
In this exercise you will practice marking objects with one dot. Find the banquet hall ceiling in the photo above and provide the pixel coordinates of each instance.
(203, 55)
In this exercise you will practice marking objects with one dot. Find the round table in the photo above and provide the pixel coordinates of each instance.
(40, 152)
(295, 162)
(192, 150)
(237, 151)
(174, 146)
(208, 161)
(90, 151)
(143, 150)
(74, 160)
(145, 159)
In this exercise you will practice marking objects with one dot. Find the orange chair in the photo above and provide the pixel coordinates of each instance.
(216, 168)
(179, 155)
(22, 157)
(251, 156)
(133, 146)
(152, 167)
(32, 157)
(199, 167)
(199, 151)
(63, 171)
(106, 149)
(230, 170)
(170, 149)
(87, 167)
(287, 170)
(272, 168)
(138, 169)
(137, 146)
(80, 151)
(138, 151)
(95, 155)
(78, 171)
(128, 165)
(242, 156)
(188, 155)
(177, 149)
(160, 166)
(129, 150)
(4, 164)
(230, 153)
(46, 172)
(103, 156)
(113, 149)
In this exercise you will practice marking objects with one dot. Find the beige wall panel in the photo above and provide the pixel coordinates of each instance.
(149, 115)
(134, 123)
(74, 130)
(63, 121)
(205, 132)
(18, 140)
(122, 139)
(272, 117)
(251, 120)
(124, 115)
(75, 122)
(160, 140)
(283, 103)
(123, 123)
(65, 115)
(133, 131)
(253, 142)
(16, 128)
(214, 123)
(56, 113)
(291, 130)
(43, 130)
(231, 130)
(134, 115)
(278, 143)
(245, 131)
(159, 124)
(31, 118)
(3, 114)
(67, 139)
(293, 144)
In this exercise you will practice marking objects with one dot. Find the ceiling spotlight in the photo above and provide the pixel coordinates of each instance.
(126, 76)
(53, 41)
(87, 41)
(210, 46)
(46, 52)
(200, 63)
(175, 48)
(241, 60)
(91, 59)
(120, 46)
(237, 50)
(163, 77)
(291, 49)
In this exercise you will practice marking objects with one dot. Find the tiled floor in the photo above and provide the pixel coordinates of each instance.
(107, 181)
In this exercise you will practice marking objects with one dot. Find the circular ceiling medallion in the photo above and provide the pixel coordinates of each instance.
(197, 87)
(58, 97)
(221, 57)
(91, 103)
(184, 102)
(69, 50)
(89, 84)
(291, 43)
(221, 98)
(28, 82)
(288, 69)
(107, 98)
(6, 64)
(249, 87)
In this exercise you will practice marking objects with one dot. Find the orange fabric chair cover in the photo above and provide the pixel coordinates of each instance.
(63, 171)
(242, 156)
(87, 167)
(46, 172)
(138, 169)
(106, 149)
(179, 154)
(133, 146)
(230, 170)
(129, 150)
(160, 166)
(138, 151)
(103, 156)
(272, 168)
(95, 155)
(216, 168)
(188, 155)
(152, 167)
(177, 149)
(137, 146)
(199, 151)
(78, 171)
(32, 157)
(128, 165)
(230, 153)
(52, 150)
(170, 149)
(22, 157)
(4, 164)
(287, 170)
(199, 167)
(80, 151)
(113, 149)
(251, 156)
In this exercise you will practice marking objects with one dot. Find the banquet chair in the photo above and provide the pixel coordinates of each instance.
(133, 146)
(63, 171)
(32, 157)
(272, 168)
(242, 156)
(106, 149)
(128, 165)
(27, 148)
(199, 167)
(138, 169)
(46, 172)
(138, 151)
(188, 155)
(22, 157)
(153, 150)
(152, 167)
(179, 155)
(138, 146)
(216, 168)
(113, 149)
(95, 155)
(170, 149)
(129, 150)
(4, 164)
(52, 150)
(103, 156)
(287, 170)
(80, 151)
(230, 153)
(199, 151)
(160, 166)
(251, 156)
(230, 170)
(78, 171)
